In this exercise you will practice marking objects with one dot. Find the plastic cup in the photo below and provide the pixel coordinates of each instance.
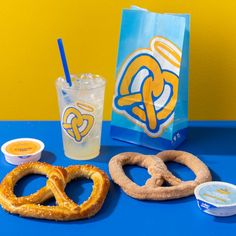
(81, 113)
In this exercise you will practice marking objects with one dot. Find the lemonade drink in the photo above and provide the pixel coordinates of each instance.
(81, 112)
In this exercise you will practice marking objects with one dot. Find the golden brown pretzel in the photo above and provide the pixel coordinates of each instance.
(58, 177)
(156, 167)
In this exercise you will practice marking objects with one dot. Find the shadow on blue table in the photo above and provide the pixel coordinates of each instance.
(210, 141)
(225, 220)
(48, 157)
(107, 152)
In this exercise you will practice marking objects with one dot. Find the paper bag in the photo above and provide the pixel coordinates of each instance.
(150, 105)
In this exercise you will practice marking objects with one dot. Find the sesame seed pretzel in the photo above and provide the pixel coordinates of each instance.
(153, 189)
(58, 177)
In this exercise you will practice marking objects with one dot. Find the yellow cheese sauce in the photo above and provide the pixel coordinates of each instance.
(24, 147)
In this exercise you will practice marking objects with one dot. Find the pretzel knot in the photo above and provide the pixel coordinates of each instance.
(153, 189)
(58, 177)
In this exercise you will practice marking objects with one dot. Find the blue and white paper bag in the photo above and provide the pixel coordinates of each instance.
(150, 106)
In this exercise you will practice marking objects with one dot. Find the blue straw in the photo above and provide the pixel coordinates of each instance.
(64, 62)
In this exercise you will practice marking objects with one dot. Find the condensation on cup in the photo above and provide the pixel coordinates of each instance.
(81, 113)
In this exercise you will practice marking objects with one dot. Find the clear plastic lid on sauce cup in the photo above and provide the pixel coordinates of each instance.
(216, 198)
(22, 150)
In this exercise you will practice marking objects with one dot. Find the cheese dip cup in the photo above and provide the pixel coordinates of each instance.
(216, 198)
(22, 150)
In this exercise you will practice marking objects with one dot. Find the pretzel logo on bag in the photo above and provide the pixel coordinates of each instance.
(58, 178)
(147, 86)
(78, 121)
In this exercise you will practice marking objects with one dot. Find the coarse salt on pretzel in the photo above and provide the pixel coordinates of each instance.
(58, 177)
(153, 189)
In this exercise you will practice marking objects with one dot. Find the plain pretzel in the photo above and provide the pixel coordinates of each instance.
(58, 177)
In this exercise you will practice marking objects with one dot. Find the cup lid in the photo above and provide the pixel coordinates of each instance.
(217, 193)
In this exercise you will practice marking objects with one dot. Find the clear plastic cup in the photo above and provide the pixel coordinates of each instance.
(81, 113)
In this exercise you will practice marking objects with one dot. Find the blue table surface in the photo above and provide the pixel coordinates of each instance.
(213, 142)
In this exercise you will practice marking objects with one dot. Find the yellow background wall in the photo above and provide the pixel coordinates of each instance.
(29, 58)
